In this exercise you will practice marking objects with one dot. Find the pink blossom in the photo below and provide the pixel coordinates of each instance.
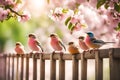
(56, 14)
(3, 14)
(74, 20)
(60, 14)
(23, 18)
(9, 2)
(77, 27)
(1, 2)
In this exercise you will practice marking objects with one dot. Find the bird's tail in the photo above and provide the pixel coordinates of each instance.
(110, 42)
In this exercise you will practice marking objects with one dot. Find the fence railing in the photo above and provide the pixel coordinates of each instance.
(9, 70)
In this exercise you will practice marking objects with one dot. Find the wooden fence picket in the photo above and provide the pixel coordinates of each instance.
(83, 67)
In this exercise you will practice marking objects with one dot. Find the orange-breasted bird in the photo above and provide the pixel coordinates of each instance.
(72, 48)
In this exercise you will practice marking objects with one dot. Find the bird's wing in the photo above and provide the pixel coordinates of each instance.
(99, 42)
(92, 39)
(62, 45)
(38, 43)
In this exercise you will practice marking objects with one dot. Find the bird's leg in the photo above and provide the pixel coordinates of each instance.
(91, 51)
(61, 53)
(42, 52)
(31, 52)
(84, 52)
(88, 50)
(51, 56)
(53, 52)
(37, 52)
(96, 49)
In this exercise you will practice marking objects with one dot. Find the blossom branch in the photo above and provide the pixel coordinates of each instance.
(14, 12)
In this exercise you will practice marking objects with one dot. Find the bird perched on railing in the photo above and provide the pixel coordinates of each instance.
(34, 44)
(94, 43)
(72, 48)
(82, 44)
(56, 43)
(19, 48)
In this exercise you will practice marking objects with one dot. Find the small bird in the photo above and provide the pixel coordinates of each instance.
(19, 48)
(56, 43)
(82, 44)
(92, 42)
(72, 48)
(34, 44)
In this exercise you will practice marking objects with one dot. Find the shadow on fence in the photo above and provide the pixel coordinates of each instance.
(7, 67)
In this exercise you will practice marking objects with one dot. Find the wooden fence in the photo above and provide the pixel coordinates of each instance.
(8, 66)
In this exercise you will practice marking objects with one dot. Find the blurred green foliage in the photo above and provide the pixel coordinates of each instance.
(12, 30)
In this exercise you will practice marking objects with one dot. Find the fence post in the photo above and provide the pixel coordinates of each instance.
(3, 66)
(27, 66)
(17, 70)
(22, 66)
(98, 66)
(75, 68)
(12, 67)
(8, 72)
(42, 67)
(61, 68)
(83, 67)
(114, 65)
(52, 67)
(34, 67)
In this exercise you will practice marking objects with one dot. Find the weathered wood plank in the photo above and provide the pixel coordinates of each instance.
(8, 68)
(61, 68)
(34, 67)
(98, 66)
(3, 67)
(114, 65)
(42, 68)
(83, 67)
(27, 67)
(22, 67)
(13, 67)
(52, 67)
(17, 70)
(116, 52)
(75, 69)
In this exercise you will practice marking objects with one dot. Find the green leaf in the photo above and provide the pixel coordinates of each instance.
(67, 20)
(117, 7)
(119, 24)
(77, 5)
(118, 27)
(65, 10)
(18, 1)
(70, 26)
(106, 5)
(100, 3)
(76, 11)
